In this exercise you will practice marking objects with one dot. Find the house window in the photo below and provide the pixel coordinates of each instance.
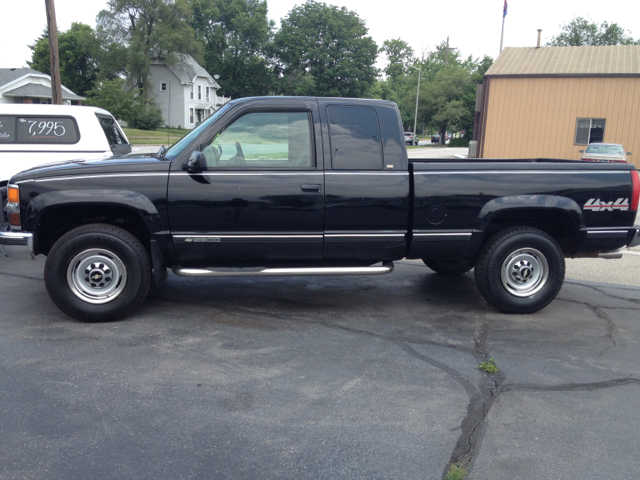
(191, 92)
(199, 92)
(589, 130)
(206, 91)
(163, 87)
(191, 116)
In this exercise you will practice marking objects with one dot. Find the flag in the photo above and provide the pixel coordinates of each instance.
(504, 10)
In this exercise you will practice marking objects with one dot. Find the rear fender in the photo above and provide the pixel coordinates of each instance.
(551, 203)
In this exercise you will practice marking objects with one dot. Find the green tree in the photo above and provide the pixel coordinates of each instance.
(469, 96)
(150, 30)
(399, 56)
(441, 99)
(236, 35)
(324, 50)
(78, 52)
(580, 32)
(128, 105)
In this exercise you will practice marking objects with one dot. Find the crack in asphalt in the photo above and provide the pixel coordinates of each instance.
(607, 294)
(19, 275)
(612, 328)
(489, 388)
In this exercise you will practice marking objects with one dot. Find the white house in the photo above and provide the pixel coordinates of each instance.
(25, 85)
(185, 91)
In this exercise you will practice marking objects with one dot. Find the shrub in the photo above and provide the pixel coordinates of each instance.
(145, 117)
(459, 142)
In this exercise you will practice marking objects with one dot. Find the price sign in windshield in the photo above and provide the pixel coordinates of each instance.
(46, 130)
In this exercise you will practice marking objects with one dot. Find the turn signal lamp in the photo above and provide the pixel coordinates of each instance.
(13, 195)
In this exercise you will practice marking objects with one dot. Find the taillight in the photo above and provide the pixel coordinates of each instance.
(635, 192)
(589, 160)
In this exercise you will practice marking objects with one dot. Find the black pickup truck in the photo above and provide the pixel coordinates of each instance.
(311, 186)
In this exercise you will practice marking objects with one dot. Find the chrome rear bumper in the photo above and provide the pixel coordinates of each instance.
(636, 238)
(17, 245)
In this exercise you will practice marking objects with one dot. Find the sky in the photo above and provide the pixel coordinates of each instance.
(473, 26)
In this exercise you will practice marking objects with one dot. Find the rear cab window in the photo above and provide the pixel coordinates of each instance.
(117, 140)
(354, 134)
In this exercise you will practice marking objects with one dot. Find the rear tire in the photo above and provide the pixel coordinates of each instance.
(97, 273)
(520, 270)
(448, 267)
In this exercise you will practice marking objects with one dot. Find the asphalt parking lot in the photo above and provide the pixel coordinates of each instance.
(323, 377)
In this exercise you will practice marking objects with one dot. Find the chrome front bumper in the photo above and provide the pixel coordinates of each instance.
(17, 245)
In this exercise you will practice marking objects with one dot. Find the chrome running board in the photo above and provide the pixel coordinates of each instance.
(386, 267)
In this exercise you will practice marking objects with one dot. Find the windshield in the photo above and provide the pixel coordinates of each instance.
(605, 149)
(177, 148)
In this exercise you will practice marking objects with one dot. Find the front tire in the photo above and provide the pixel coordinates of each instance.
(97, 273)
(520, 270)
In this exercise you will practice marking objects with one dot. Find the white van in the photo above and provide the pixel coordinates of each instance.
(32, 135)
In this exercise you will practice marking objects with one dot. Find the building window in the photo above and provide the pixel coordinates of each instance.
(206, 91)
(191, 91)
(163, 87)
(191, 119)
(199, 92)
(589, 130)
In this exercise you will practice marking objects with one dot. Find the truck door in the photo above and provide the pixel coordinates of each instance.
(260, 201)
(366, 182)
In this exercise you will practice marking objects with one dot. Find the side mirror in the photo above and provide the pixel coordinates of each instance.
(196, 163)
(581, 151)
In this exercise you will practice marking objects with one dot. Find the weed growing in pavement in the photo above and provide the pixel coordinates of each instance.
(489, 366)
(456, 471)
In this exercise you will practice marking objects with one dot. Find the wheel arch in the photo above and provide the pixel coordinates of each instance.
(51, 215)
(560, 217)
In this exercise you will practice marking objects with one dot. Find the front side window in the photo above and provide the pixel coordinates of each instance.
(355, 138)
(263, 140)
(589, 130)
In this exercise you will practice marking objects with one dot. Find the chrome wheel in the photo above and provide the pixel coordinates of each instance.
(525, 272)
(96, 276)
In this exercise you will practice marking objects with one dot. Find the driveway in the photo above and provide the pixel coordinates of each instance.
(320, 377)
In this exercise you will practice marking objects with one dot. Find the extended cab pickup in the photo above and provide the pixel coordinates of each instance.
(311, 186)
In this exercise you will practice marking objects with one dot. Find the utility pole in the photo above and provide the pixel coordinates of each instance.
(56, 88)
(446, 55)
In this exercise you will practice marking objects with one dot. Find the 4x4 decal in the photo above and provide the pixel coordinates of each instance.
(597, 205)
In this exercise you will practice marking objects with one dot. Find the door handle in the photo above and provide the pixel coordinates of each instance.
(311, 188)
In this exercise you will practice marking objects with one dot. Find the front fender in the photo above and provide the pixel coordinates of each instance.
(121, 198)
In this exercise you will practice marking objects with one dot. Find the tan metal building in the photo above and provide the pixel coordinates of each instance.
(551, 102)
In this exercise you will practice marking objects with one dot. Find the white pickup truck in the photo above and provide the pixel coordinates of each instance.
(33, 135)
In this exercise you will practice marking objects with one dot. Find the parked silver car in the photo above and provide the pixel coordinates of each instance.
(605, 152)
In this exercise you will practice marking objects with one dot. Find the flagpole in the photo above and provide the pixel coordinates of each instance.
(502, 35)
(504, 15)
